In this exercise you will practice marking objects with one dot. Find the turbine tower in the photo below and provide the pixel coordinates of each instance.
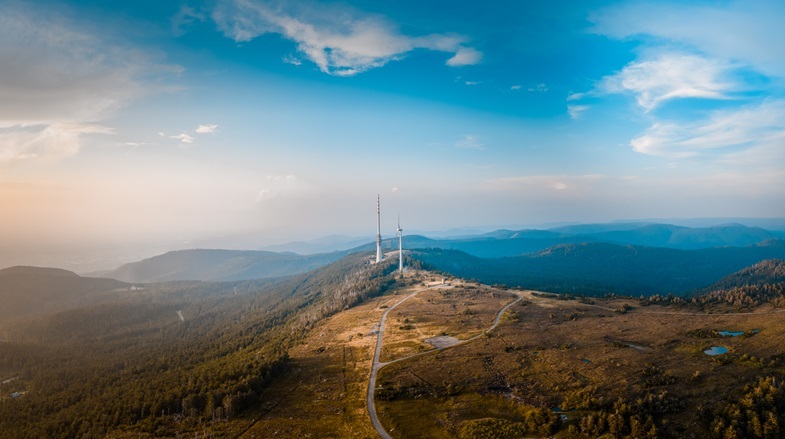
(378, 231)
(400, 244)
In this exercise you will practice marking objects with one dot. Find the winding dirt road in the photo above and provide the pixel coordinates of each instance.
(377, 365)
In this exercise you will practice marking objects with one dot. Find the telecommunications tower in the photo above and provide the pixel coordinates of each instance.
(378, 231)
(399, 232)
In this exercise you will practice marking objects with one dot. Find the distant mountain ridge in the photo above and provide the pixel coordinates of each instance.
(505, 243)
(219, 265)
(686, 238)
(511, 242)
(599, 268)
(33, 290)
(229, 265)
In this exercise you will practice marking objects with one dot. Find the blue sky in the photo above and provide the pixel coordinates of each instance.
(245, 122)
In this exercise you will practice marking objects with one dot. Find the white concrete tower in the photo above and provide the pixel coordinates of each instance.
(378, 231)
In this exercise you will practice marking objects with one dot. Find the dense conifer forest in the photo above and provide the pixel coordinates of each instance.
(597, 269)
(137, 367)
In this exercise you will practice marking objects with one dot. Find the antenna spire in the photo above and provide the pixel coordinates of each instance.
(378, 230)
(399, 232)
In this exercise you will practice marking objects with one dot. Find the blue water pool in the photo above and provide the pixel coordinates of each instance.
(716, 350)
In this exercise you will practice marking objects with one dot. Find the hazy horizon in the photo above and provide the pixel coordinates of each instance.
(127, 130)
(86, 258)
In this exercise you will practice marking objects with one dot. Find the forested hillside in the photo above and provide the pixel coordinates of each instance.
(687, 238)
(761, 283)
(601, 268)
(185, 356)
(219, 265)
(33, 290)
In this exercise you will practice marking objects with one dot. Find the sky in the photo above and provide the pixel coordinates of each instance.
(243, 123)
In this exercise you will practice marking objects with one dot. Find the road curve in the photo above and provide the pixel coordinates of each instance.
(376, 366)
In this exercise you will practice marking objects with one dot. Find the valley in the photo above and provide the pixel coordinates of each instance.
(432, 355)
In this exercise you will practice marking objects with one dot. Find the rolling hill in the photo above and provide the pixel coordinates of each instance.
(600, 268)
(770, 271)
(505, 243)
(32, 290)
(176, 357)
(748, 288)
(686, 238)
(495, 244)
(231, 265)
(213, 358)
(219, 265)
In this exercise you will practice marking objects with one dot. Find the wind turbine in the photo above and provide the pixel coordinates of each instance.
(399, 232)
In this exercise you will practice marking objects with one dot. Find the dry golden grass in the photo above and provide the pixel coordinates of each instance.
(323, 396)
(324, 393)
(557, 353)
(462, 311)
(546, 353)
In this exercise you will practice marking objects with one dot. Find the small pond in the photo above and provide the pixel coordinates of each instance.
(730, 333)
(716, 350)
(561, 413)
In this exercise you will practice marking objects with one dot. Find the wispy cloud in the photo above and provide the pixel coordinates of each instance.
(725, 133)
(747, 31)
(464, 56)
(291, 59)
(134, 146)
(732, 52)
(183, 138)
(206, 129)
(470, 141)
(59, 80)
(575, 111)
(552, 183)
(339, 41)
(186, 17)
(53, 141)
(671, 76)
(282, 187)
(187, 139)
